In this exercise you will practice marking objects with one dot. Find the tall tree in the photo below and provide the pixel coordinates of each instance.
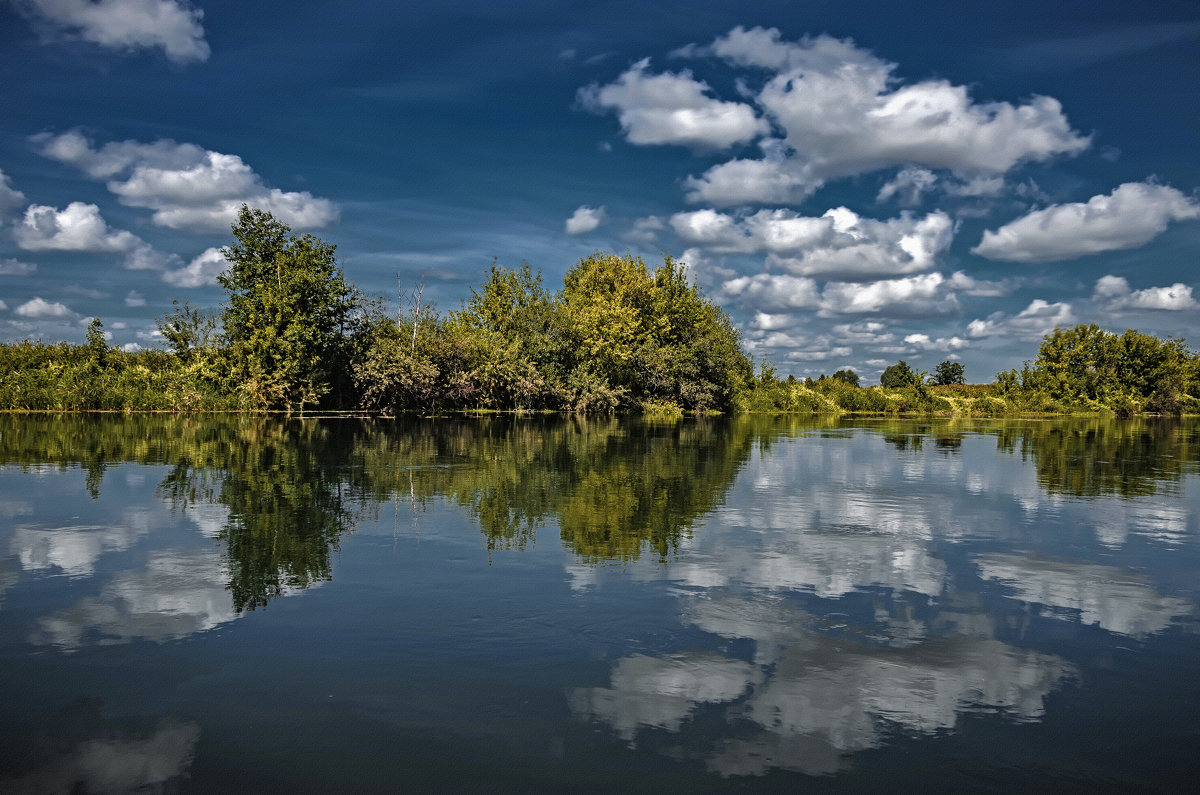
(949, 372)
(286, 313)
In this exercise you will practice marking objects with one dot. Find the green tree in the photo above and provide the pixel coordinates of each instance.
(898, 375)
(514, 323)
(187, 329)
(286, 313)
(846, 376)
(949, 372)
(96, 343)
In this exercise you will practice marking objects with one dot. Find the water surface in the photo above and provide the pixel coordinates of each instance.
(231, 604)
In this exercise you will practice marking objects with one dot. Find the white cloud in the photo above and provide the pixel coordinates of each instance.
(1034, 321)
(39, 308)
(925, 343)
(843, 112)
(773, 292)
(131, 347)
(3, 305)
(200, 272)
(134, 299)
(585, 219)
(77, 228)
(128, 24)
(1114, 293)
(961, 282)
(925, 294)
(80, 227)
(10, 197)
(645, 230)
(672, 109)
(188, 187)
(865, 331)
(909, 185)
(839, 243)
(1131, 215)
(13, 267)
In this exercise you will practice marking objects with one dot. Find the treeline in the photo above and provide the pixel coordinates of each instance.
(618, 337)
(1086, 368)
(294, 334)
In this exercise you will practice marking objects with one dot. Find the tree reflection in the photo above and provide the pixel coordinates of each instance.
(614, 488)
(1089, 457)
(280, 482)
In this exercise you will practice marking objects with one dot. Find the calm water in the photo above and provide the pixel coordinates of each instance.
(236, 604)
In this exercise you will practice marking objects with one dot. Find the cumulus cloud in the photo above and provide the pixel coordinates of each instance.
(843, 112)
(10, 197)
(871, 332)
(773, 292)
(908, 186)
(1130, 216)
(839, 243)
(80, 227)
(672, 109)
(1114, 293)
(200, 272)
(585, 219)
(1034, 321)
(925, 294)
(135, 299)
(41, 308)
(645, 230)
(77, 228)
(188, 187)
(127, 25)
(926, 343)
(14, 267)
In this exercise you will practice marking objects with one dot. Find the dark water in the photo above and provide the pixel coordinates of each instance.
(239, 604)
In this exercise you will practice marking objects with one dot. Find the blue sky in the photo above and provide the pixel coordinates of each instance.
(855, 182)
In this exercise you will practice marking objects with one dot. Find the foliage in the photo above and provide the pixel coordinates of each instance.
(949, 372)
(898, 375)
(1087, 368)
(286, 312)
(846, 376)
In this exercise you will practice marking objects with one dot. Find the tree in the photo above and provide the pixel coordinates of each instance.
(899, 375)
(846, 376)
(286, 313)
(187, 330)
(949, 372)
(96, 343)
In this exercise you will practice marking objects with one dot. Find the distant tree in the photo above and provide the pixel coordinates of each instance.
(1088, 366)
(287, 309)
(95, 342)
(187, 329)
(949, 372)
(846, 376)
(899, 375)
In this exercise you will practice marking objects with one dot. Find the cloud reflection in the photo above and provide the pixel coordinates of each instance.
(93, 755)
(180, 592)
(1093, 594)
(812, 696)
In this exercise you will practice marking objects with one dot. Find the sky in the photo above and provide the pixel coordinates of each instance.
(854, 182)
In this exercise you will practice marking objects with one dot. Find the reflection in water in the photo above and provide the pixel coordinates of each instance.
(614, 488)
(816, 695)
(1088, 457)
(177, 594)
(1107, 597)
(82, 752)
(829, 585)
